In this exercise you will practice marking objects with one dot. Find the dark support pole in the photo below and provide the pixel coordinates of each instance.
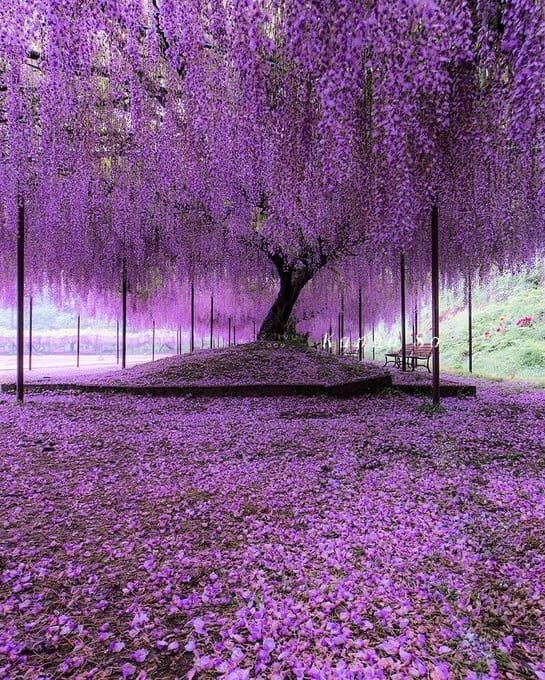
(117, 340)
(403, 316)
(20, 387)
(30, 334)
(78, 341)
(234, 335)
(416, 322)
(373, 341)
(470, 322)
(211, 322)
(192, 338)
(229, 335)
(360, 327)
(342, 324)
(435, 301)
(153, 340)
(124, 318)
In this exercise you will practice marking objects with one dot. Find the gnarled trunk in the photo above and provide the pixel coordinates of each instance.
(277, 322)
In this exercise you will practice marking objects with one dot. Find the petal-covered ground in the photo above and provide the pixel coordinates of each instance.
(273, 538)
(254, 363)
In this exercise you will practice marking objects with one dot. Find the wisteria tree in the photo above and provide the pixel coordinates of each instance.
(279, 135)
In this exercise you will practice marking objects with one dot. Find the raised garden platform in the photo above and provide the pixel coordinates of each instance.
(420, 383)
(447, 389)
(349, 389)
(255, 370)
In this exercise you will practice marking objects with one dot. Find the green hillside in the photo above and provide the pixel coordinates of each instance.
(502, 349)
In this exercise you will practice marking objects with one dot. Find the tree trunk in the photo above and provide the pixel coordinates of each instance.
(278, 322)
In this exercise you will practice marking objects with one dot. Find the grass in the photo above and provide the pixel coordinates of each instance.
(501, 349)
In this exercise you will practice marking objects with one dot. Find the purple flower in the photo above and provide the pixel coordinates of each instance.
(128, 670)
(140, 655)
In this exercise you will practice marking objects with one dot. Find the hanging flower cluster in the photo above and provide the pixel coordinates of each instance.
(244, 140)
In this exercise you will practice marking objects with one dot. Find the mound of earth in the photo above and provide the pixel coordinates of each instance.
(252, 364)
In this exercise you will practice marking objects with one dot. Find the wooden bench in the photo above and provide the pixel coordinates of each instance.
(422, 353)
(413, 354)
